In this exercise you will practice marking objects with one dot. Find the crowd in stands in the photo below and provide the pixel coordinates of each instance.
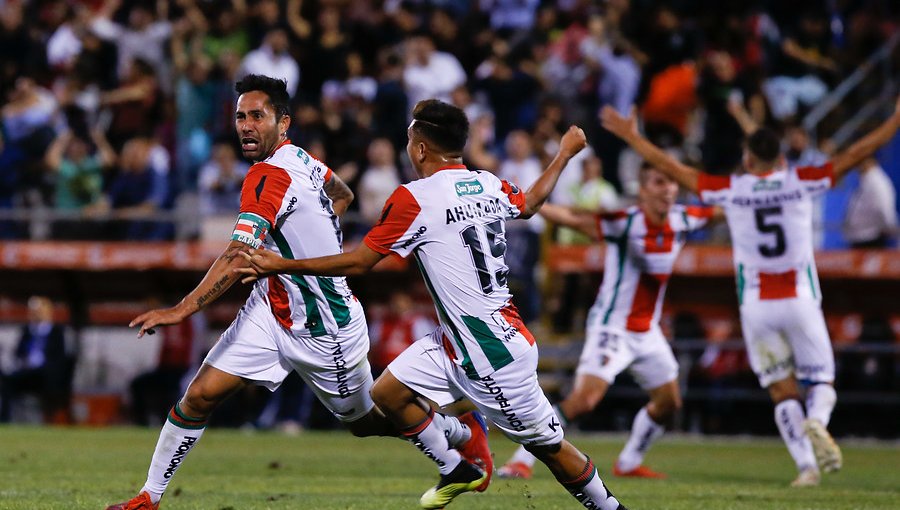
(119, 109)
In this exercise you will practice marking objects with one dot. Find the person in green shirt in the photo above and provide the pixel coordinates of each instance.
(79, 173)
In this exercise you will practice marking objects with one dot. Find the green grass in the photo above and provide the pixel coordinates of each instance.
(68, 468)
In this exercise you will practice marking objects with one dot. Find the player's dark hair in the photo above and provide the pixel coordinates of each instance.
(765, 145)
(442, 124)
(274, 88)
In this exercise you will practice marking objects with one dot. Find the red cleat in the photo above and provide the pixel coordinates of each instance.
(638, 472)
(140, 502)
(476, 450)
(515, 470)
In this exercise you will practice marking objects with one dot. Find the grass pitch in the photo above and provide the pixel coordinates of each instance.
(69, 468)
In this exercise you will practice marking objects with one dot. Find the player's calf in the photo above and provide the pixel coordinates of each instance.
(577, 474)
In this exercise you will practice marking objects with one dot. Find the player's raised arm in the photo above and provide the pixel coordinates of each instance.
(262, 263)
(627, 130)
(218, 279)
(582, 221)
(340, 194)
(867, 145)
(571, 144)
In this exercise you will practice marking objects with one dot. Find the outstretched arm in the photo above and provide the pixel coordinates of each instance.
(218, 279)
(263, 263)
(571, 144)
(865, 147)
(581, 221)
(626, 129)
(340, 194)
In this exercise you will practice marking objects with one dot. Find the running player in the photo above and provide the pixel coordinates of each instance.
(769, 213)
(623, 330)
(453, 221)
(290, 203)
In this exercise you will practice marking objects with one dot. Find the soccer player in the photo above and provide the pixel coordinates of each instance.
(769, 214)
(622, 329)
(452, 220)
(290, 203)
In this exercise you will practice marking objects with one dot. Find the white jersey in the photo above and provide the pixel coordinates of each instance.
(639, 261)
(770, 219)
(284, 208)
(453, 222)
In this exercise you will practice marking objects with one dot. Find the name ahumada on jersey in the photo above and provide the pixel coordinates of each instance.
(285, 209)
(453, 224)
(770, 218)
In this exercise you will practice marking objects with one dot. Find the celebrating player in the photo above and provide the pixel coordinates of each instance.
(290, 203)
(453, 221)
(623, 324)
(769, 213)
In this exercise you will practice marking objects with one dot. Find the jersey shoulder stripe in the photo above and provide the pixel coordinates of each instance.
(399, 212)
(815, 173)
(263, 190)
(709, 182)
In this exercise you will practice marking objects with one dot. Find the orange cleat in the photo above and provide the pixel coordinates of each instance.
(515, 470)
(638, 472)
(476, 450)
(140, 502)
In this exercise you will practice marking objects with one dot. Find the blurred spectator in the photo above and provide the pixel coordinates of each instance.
(378, 181)
(591, 193)
(134, 103)
(871, 220)
(797, 77)
(143, 38)
(511, 91)
(43, 366)
(79, 173)
(330, 47)
(799, 152)
(220, 181)
(391, 104)
(429, 73)
(395, 330)
(153, 392)
(723, 141)
(272, 59)
(510, 15)
(522, 169)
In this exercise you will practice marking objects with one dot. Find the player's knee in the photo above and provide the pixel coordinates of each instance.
(197, 402)
(544, 451)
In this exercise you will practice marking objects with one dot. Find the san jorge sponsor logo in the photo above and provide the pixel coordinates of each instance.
(472, 187)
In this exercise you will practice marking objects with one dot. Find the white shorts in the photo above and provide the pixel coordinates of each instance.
(787, 337)
(609, 350)
(258, 348)
(510, 397)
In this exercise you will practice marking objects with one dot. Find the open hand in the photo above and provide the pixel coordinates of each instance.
(161, 317)
(262, 263)
(615, 123)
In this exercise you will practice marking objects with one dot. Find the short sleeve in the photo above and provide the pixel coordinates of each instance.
(816, 179)
(515, 196)
(697, 217)
(397, 231)
(263, 191)
(713, 189)
(611, 224)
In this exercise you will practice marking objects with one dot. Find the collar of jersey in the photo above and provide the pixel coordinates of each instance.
(286, 141)
(452, 167)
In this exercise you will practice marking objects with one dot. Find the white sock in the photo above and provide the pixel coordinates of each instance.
(429, 438)
(820, 401)
(524, 456)
(590, 491)
(178, 436)
(789, 418)
(644, 431)
(455, 431)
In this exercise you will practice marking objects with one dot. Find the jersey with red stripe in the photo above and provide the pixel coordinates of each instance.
(453, 223)
(284, 208)
(770, 218)
(639, 261)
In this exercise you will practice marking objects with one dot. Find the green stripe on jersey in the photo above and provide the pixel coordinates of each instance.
(339, 308)
(313, 317)
(467, 364)
(622, 244)
(741, 282)
(812, 284)
(493, 347)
